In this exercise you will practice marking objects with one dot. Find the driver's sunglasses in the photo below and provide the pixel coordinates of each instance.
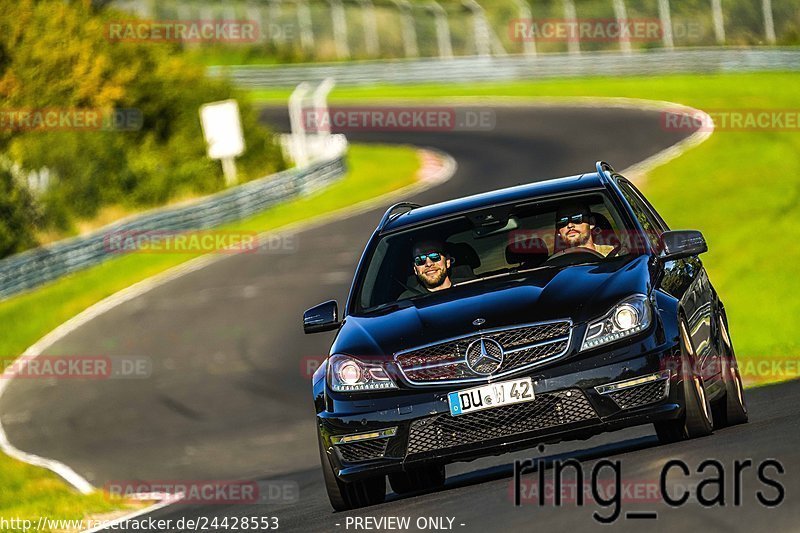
(433, 256)
(575, 219)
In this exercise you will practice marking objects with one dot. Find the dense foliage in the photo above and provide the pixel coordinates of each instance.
(55, 55)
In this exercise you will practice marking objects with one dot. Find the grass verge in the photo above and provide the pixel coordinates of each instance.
(736, 188)
(27, 492)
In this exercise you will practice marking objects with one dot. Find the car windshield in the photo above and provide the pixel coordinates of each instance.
(493, 243)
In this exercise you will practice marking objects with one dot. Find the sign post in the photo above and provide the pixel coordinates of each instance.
(222, 130)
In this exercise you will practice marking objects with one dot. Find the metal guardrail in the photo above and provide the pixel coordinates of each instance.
(468, 69)
(35, 267)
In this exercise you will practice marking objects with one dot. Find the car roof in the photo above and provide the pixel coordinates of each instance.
(528, 191)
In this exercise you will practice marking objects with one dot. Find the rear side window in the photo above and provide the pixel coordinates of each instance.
(651, 225)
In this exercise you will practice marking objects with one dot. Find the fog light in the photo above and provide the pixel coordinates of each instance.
(628, 383)
(380, 434)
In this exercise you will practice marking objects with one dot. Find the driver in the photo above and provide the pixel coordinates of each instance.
(575, 225)
(431, 267)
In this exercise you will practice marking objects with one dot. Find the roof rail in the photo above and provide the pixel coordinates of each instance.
(408, 206)
(603, 167)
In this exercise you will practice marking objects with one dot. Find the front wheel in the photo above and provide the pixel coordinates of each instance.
(731, 409)
(696, 420)
(352, 495)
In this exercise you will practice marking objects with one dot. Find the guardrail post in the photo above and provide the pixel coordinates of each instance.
(621, 14)
(304, 24)
(666, 24)
(525, 14)
(298, 145)
(480, 28)
(254, 14)
(207, 13)
(370, 27)
(719, 22)
(409, 31)
(274, 15)
(185, 12)
(442, 30)
(571, 16)
(769, 23)
(339, 29)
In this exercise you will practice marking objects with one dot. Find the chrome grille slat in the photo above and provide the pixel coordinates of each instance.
(533, 355)
(525, 346)
(536, 345)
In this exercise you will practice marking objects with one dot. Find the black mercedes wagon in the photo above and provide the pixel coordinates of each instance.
(534, 314)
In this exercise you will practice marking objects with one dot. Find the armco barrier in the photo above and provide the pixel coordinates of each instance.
(469, 69)
(35, 267)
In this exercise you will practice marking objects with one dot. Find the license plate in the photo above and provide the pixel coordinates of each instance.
(490, 396)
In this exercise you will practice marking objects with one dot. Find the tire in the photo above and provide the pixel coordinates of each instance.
(731, 409)
(696, 420)
(346, 496)
(425, 478)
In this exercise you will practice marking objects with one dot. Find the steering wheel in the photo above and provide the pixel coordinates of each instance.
(567, 256)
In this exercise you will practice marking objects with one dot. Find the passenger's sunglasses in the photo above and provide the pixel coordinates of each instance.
(575, 219)
(433, 256)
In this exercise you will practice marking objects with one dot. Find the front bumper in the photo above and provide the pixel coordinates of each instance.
(570, 403)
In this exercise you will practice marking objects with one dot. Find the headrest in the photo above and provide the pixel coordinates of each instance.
(527, 251)
(463, 254)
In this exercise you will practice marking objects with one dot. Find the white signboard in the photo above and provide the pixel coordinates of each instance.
(222, 129)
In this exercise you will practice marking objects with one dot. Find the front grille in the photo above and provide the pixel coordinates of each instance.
(641, 395)
(533, 355)
(523, 347)
(548, 410)
(362, 450)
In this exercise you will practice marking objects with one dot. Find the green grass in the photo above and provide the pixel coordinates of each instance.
(28, 492)
(741, 189)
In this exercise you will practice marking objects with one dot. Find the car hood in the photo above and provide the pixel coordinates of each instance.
(579, 293)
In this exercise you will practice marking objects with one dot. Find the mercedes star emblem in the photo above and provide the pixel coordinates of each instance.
(484, 356)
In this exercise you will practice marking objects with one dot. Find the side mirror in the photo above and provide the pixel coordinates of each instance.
(322, 317)
(682, 243)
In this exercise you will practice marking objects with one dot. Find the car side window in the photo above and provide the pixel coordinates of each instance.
(649, 207)
(651, 225)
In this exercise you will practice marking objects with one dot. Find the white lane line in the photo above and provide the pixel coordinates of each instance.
(425, 180)
(147, 510)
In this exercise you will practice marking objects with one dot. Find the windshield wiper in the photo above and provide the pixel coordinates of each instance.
(503, 274)
(388, 305)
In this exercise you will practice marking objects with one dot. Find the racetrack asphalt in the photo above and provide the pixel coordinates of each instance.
(229, 395)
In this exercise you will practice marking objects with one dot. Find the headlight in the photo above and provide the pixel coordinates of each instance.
(348, 374)
(628, 317)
